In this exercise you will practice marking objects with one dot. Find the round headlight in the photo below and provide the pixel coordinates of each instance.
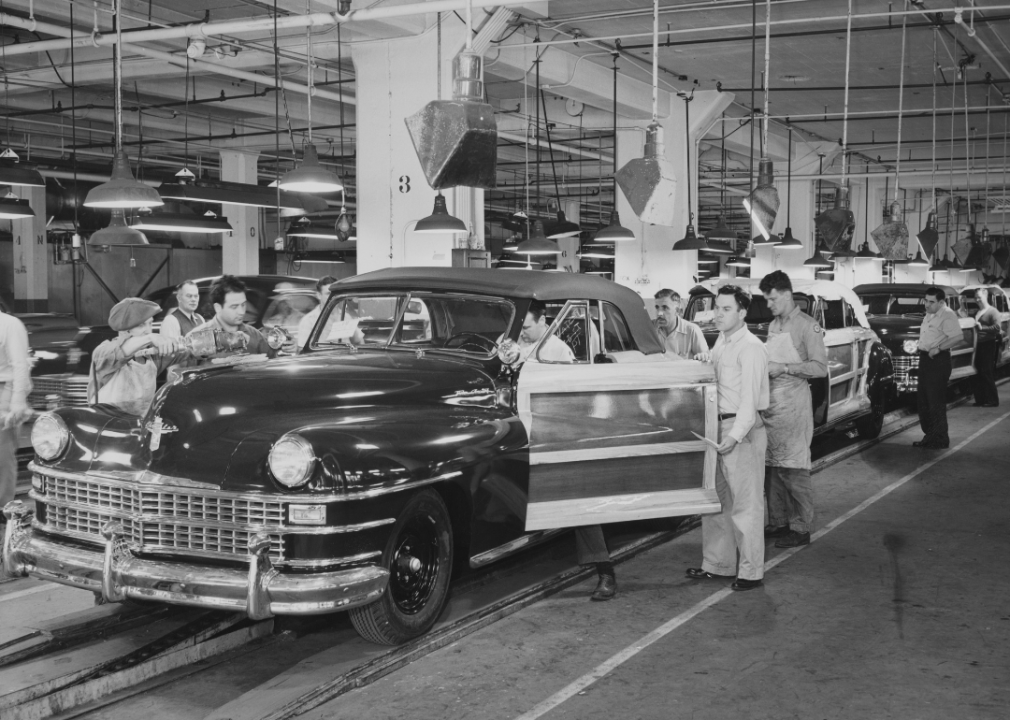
(910, 346)
(291, 460)
(50, 436)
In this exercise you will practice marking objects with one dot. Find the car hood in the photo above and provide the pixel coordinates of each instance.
(895, 329)
(218, 419)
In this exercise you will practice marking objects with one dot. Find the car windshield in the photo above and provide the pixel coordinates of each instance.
(287, 308)
(701, 310)
(421, 320)
(893, 304)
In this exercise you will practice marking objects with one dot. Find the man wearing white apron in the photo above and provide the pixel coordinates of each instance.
(796, 353)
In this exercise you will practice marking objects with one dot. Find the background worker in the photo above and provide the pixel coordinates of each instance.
(741, 372)
(796, 353)
(679, 336)
(227, 296)
(15, 384)
(183, 317)
(986, 351)
(308, 322)
(939, 332)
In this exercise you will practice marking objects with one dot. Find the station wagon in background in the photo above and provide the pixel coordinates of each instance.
(860, 375)
(895, 312)
(403, 442)
(999, 298)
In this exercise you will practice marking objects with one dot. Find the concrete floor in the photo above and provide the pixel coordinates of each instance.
(900, 611)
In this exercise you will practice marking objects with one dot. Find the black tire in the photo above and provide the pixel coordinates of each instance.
(414, 598)
(869, 427)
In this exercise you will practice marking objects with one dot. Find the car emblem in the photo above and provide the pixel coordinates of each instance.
(157, 428)
(419, 354)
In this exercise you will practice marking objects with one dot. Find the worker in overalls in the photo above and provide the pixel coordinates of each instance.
(796, 353)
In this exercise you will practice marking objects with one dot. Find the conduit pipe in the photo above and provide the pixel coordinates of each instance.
(959, 19)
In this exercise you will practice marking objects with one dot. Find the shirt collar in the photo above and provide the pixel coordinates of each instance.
(737, 334)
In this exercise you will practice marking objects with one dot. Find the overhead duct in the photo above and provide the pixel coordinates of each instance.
(457, 140)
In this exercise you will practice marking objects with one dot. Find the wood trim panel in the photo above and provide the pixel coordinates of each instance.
(625, 451)
(610, 509)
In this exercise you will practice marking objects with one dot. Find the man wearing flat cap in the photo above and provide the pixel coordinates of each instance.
(124, 370)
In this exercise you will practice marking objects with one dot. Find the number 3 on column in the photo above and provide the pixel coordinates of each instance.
(405, 184)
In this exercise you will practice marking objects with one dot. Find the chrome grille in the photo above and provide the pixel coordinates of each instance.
(187, 522)
(906, 381)
(70, 389)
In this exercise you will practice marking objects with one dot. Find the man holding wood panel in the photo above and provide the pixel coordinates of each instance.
(741, 370)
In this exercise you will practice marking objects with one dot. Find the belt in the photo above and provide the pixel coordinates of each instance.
(726, 416)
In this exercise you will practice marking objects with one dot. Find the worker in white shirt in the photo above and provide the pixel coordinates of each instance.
(15, 384)
(308, 322)
(183, 318)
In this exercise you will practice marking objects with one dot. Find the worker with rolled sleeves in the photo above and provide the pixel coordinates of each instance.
(796, 353)
(124, 370)
(15, 384)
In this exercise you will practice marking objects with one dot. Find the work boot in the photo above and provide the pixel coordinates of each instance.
(793, 539)
(606, 589)
(776, 531)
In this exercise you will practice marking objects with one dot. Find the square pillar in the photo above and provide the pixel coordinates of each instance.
(30, 258)
(240, 249)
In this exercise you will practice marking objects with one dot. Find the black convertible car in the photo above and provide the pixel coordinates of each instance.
(404, 441)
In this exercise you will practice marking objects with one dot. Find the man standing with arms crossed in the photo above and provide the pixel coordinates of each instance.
(796, 353)
(939, 332)
(741, 372)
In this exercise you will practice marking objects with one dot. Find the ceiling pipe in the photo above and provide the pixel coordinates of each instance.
(970, 29)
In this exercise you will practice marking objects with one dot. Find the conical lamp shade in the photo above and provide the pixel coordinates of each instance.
(789, 242)
(14, 173)
(937, 266)
(614, 232)
(13, 209)
(538, 244)
(310, 176)
(738, 261)
(721, 231)
(118, 232)
(691, 241)
(123, 191)
(707, 258)
(564, 228)
(817, 261)
(440, 221)
(918, 260)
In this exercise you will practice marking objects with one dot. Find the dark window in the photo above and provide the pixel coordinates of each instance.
(834, 314)
(616, 336)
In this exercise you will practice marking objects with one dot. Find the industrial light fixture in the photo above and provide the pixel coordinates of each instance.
(614, 232)
(918, 260)
(707, 258)
(511, 244)
(305, 228)
(440, 221)
(12, 172)
(738, 261)
(690, 241)
(343, 225)
(817, 260)
(649, 182)
(538, 243)
(762, 205)
(564, 227)
(310, 176)
(117, 232)
(182, 223)
(866, 254)
(246, 195)
(789, 242)
(592, 253)
(938, 266)
(122, 191)
(928, 237)
(11, 208)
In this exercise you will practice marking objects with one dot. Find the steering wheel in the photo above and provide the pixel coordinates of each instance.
(465, 340)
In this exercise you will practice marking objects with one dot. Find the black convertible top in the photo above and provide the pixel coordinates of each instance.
(531, 284)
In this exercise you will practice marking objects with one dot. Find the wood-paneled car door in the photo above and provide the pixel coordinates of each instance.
(962, 355)
(612, 441)
(848, 344)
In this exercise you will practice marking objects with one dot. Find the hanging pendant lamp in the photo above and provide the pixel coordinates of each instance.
(117, 232)
(762, 204)
(538, 244)
(182, 223)
(738, 261)
(817, 260)
(11, 208)
(690, 241)
(614, 232)
(13, 172)
(440, 221)
(787, 241)
(928, 237)
(918, 260)
(122, 191)
(563, 228)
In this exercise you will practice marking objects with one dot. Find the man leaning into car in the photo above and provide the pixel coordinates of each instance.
(227, 296)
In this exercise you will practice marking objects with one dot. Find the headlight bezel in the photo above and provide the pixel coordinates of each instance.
(299, 445)
(63, 434)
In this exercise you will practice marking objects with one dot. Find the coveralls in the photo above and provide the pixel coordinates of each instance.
(797, 341)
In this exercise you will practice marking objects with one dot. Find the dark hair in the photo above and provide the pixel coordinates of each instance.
(537, 309)
(776, 280)
(738, 293)
(667, 293)
(937, 293)
(184, 283)
(224, 285)
(324, 281)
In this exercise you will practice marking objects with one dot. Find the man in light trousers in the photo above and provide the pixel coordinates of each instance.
(741, 371)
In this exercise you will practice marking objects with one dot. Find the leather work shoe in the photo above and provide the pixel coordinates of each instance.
(699, 574)
(606, 589)
(740, 584)
(793, 539)
(926, 445)
(776, 531)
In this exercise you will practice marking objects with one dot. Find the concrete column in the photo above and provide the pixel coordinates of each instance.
(396, 79)
(31, 257)
(240, 249)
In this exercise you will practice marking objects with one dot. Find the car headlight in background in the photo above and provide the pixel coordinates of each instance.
(50, 436)
(292, 460)
(910, 346)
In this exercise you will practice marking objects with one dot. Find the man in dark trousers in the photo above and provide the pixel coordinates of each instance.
(987, 349)
(939, 332)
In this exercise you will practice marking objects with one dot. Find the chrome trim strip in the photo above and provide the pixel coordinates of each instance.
(489, 556)
(323, 562)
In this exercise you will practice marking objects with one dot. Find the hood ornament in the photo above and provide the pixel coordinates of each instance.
(157, 428)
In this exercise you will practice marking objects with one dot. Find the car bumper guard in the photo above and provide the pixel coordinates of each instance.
(261, 591)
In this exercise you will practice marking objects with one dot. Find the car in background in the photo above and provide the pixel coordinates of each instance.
(860, 380)
(271, 300)
(896, 311)
(406, 440)
(999, 298)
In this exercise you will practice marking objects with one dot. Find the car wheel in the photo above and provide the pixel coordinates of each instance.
(869, 427)
(419, 557)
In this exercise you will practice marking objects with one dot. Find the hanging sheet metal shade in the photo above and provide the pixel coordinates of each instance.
(738, 261)
(538, 244)
(456, 140)
(564, 227)
(649, 183)
(763, 202)
(837, 224)
(928, 237)
(310, 176)
(182, 223)
(707, 258)
(614, 232)
(308, 230)
(817, 261)
(122, 190)
(789, 242)
(938, 266)
(244, 194)
(690, 241)
(891, 236)
(721, 231)
(11, 208)
(118, 232)
(918, 260)
(440, 221)
(13, 172)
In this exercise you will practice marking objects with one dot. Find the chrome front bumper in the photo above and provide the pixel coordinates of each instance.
(261, 591)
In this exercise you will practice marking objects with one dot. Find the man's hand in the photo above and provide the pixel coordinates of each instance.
(19, 413)
(934, 352)
(776, 369)
(165, 344)
(726, 446)
(704, 357)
